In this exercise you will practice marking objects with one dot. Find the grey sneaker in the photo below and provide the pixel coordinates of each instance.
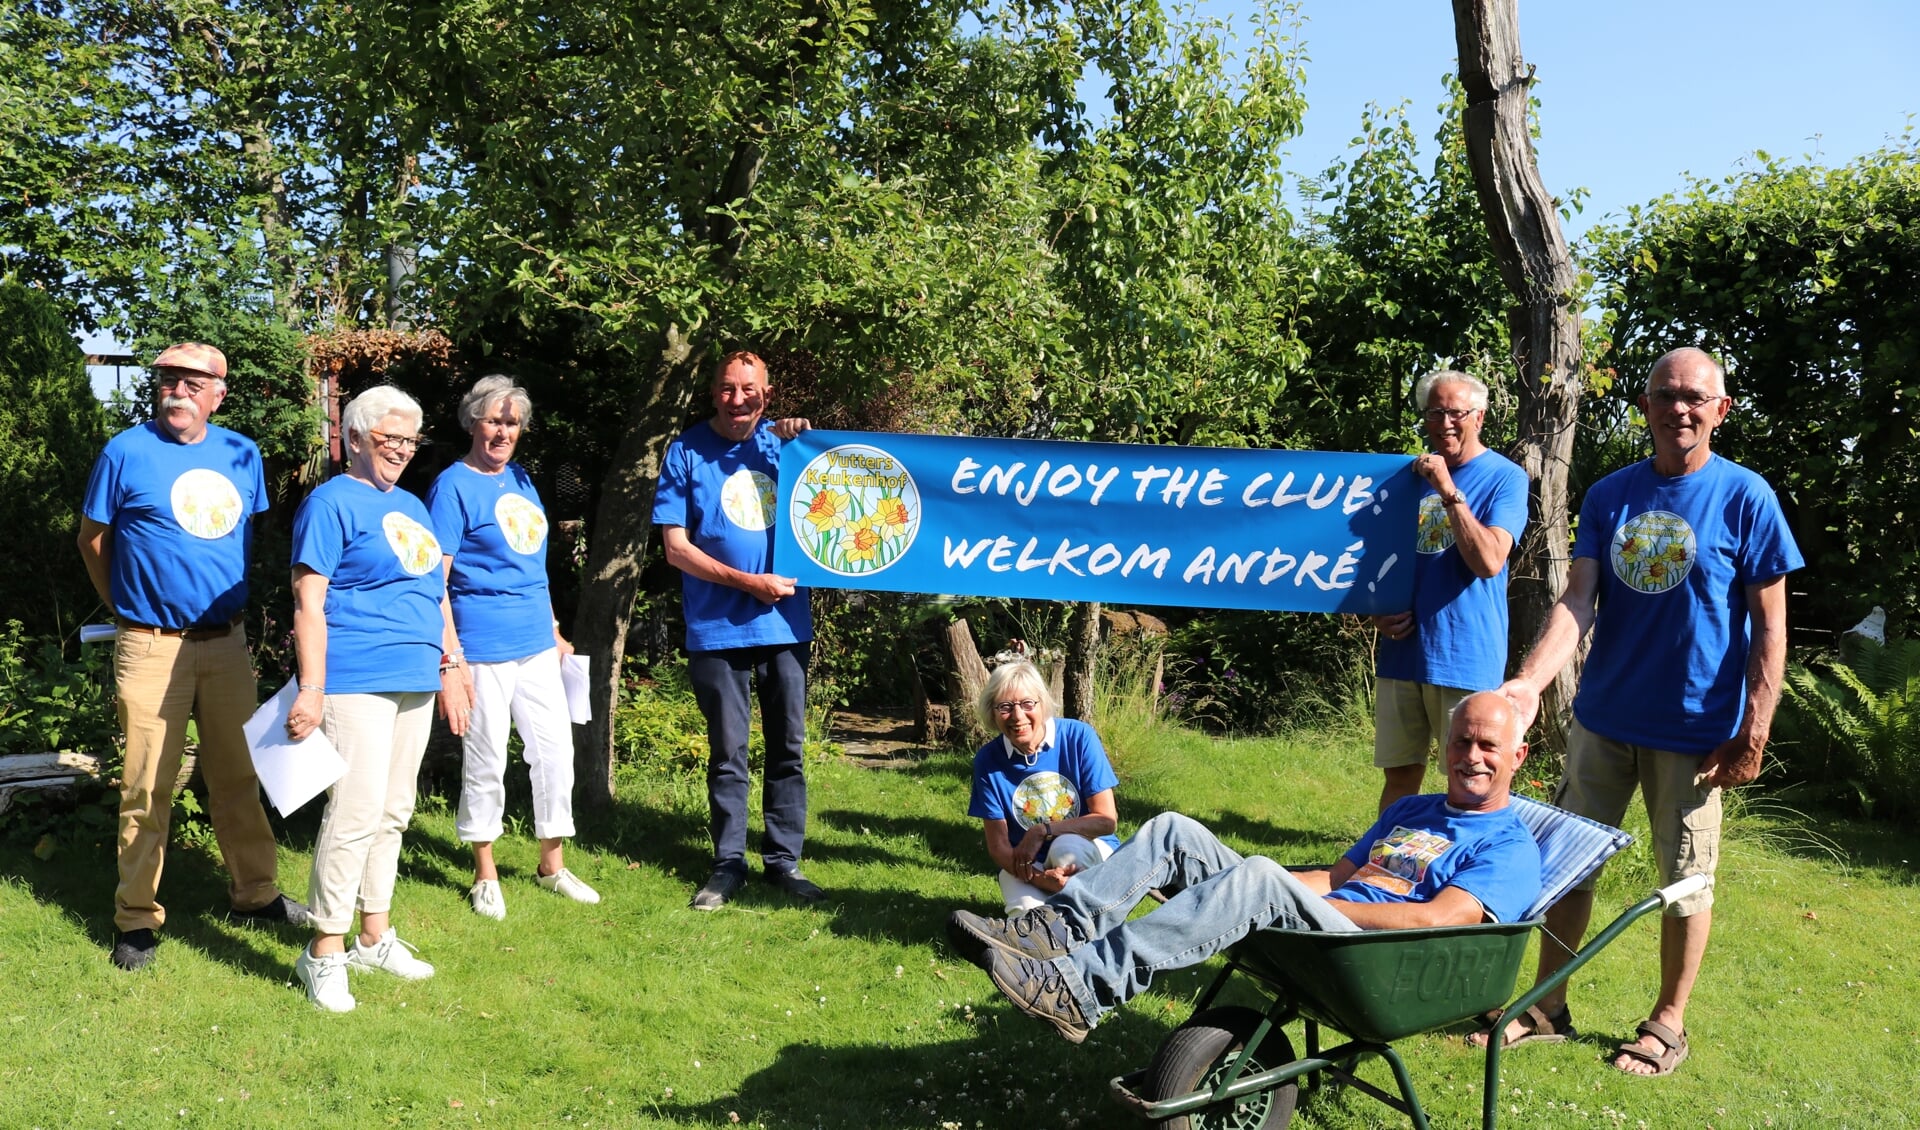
(487, 901)
(1040, 934)
(719, 889)
(389, 955)
(1037, 989)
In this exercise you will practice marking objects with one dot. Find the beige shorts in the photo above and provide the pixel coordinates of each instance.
(1409, 719)
(1601, 775)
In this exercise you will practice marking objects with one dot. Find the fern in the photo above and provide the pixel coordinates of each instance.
(1864, 715)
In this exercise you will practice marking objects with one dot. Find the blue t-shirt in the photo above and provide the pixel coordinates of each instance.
(382, 563)
(1070, 767)
(1668, 667)
(1421, 845)
(722, 493)
(496, 532)
(182, 521)
(1460, 620)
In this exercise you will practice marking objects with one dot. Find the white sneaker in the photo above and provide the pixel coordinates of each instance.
(565, 882)
(487, 900)
(390, 955)
(325, 979)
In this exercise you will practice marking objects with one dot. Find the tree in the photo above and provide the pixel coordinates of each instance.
(1805, 282)
(1543, 322)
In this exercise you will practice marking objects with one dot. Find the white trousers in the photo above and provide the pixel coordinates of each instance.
(356, 856)
(1022, 896)
(523, 693)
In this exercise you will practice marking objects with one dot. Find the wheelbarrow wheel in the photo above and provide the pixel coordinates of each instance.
(1196, 1057)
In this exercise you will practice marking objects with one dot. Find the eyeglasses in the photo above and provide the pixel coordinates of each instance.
(1006, 709)
(1668, 399)
(398, 443)
(1450, 415)
(194, 385)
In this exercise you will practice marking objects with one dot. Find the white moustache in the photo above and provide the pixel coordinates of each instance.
(171, 402)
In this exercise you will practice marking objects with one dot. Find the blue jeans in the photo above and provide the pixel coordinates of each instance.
(722, 682)
(1222, 898)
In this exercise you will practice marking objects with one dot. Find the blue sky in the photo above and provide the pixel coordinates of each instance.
(1635, 94)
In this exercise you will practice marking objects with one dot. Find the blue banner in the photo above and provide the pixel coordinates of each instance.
(1205, 527)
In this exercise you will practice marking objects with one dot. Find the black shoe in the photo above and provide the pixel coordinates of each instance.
(1037, 989)
(1040, 934)
(282, 911)
(796, 885)
(719, 890)
(133, 949)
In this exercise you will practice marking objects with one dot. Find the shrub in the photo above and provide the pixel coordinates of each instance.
(1857, 723)
(49, 703)
(55, 428)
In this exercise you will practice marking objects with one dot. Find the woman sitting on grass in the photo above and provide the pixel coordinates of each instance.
(1043, 789)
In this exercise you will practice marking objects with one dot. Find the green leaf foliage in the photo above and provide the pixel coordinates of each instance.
(1857, 721)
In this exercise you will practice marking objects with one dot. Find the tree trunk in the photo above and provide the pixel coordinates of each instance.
(968, 676)
(1083, 640)
(1544, 322)
(618, 548)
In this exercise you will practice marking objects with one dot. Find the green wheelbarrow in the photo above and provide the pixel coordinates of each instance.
(1235, 1066)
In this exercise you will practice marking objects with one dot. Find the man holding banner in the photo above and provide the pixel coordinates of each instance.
(746, 625)
(1454, 640)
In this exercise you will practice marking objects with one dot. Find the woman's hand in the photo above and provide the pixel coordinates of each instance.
(1053, 879)
(1033, 844)
(304, 717)
(456, 699)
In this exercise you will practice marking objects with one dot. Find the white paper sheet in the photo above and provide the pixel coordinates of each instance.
(293, 773)
(575, 671)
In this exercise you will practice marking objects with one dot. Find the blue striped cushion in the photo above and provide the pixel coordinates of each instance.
(1571, 848)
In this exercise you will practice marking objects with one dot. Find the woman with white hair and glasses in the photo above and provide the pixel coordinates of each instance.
(375, 642)
(489, 519)
(1043, 789)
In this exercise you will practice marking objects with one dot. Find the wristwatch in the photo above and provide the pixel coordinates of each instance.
(1454, 499)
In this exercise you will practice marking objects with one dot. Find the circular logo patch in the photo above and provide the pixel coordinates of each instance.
(414, 544)
(205, 503)
(1653, 552)
(747, 499)
(522, 524)
(1043, 796)
(1435, 533)
(856, 510)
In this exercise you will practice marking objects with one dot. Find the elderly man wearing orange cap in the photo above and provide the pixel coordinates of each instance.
(166, 532)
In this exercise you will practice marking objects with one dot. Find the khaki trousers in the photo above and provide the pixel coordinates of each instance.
(161, 681)
(356, 856)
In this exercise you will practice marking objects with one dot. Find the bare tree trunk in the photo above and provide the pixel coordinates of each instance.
(618, 547)
(1083, 640)
(968, 676)
(1544, 322)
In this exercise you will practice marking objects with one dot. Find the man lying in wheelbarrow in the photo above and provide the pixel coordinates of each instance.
(1447, 859)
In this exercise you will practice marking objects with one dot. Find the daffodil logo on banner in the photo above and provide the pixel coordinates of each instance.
(1308, 531)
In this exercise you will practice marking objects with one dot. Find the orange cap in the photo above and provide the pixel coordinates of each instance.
(195, 356)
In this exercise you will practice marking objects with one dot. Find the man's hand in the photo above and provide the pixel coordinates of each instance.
(1434, 469)
(1735, 762)
(1054, 879)
(1394, 626)
(769, 588)
(789, 426)
(1525, 700)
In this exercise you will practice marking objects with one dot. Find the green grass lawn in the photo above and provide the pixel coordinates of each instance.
(640, 1012)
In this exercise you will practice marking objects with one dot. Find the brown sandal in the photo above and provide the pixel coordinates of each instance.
(1536, 1027)
(1672, 1054)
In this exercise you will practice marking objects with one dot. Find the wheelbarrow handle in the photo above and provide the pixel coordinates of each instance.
(1674, 892)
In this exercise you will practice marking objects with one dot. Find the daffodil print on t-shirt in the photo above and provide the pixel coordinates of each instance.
(1435, 533)
(1399, 860)
(1044, 797)
(747, 499)
(1654, 551)
(414, 544)
(206, 503)
(522, 523)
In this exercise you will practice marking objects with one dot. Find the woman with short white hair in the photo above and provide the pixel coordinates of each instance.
(1043, 789)
(488, 517)
(375, 643)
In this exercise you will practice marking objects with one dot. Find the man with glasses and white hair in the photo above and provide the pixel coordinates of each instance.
(166, 536)
(1679, 567)
(1453, 641)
